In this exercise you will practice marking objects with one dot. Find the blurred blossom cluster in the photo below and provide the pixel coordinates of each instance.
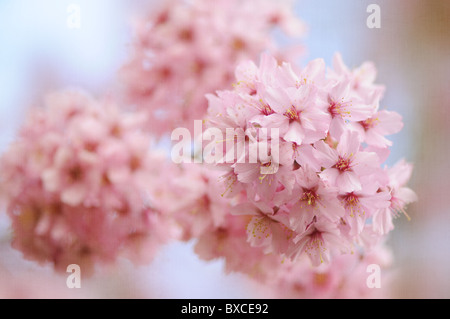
(83, 184)
(186, 49)
(75, 184)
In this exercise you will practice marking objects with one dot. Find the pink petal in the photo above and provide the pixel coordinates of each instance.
(348, 182)
(277, 99)
(259, 232)
(267, 67)
(286, 153)
(382, 153)
(356, 223)
(389, 122)
(349, 144)
(274, 120)
(339, 65)
(74, 194)
(316, 120)
(337, 127)
(374, 138)
(330, 207)
(301, 97)
(246, 71)
(305, 157)
(406, 194)
(50, 178)
(379, 200)
(295, 133)
(246, 172)
(365, 162)
(287, 77)
(314, 70)
(359, 111)
(340, 91)
(382, 221)
(325, 155)
(400, 173)
(329, 176)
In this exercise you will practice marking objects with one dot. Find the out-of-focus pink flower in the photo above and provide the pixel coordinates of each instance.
(192, 196)
(229, 243)
(184, 50)
(345, 277)
(74, 184)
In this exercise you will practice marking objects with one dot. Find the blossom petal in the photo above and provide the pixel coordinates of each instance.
(325, 155)
(349, 144)
(295, 133)
(329, 176)
(74, 194)
(348, 182)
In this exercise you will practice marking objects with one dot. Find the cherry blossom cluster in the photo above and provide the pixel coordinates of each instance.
(192, 195)
(326, 192)
(75, 181)
(185, 49)
(298, 196)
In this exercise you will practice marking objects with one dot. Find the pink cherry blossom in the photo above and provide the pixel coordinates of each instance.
(74, 183)
(363, 204)
(328, 190)
(297, 198)
(374, 129)
(294, 108)
(312, 199)
(344, 106)
(401, 195)
(268, 226)
(347, 163)
(184, 50)
(320, 241)
(354, 97)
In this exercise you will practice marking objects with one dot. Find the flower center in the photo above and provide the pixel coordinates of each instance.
(351, 202)
(267, 110)
(320, 279)
(238, 44)
(309, 197)
(75, 173)
(343, 164)
(292, 114)
(369, 123)
(315, 246)
(339, 109)
(186, 35)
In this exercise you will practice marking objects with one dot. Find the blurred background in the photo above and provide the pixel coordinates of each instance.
(39, 53)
